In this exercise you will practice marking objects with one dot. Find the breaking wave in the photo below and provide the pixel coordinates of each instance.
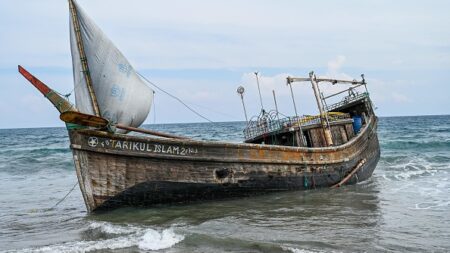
(407, 168)
(109, 228)
(296, 250)
(123, 237)
(153, 240)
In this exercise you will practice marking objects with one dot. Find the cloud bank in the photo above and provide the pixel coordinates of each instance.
(201, 51)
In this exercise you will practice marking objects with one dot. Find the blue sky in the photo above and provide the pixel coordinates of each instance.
(201, 51)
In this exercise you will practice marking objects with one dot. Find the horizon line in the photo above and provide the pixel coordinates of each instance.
(236, 121)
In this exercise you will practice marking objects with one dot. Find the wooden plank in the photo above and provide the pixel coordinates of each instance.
(217, 170)
(83, 119)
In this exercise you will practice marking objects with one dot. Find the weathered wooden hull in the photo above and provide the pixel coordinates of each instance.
(116, 170)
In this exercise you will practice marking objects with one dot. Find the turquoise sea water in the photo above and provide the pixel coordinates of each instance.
(404, 207)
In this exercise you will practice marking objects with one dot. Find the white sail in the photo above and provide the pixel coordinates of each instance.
(122, 96)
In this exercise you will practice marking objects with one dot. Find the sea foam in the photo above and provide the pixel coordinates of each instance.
(109, 228)
(296, 250)
(153, 240)
(126, 237)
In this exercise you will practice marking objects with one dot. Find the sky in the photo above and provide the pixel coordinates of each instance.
(201, 51)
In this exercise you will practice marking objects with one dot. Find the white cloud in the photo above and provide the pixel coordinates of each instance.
(334, 68)
(334, 65)
(226, 34)
(303, 94)
(267, 83)
(400, 98)
(399, 44)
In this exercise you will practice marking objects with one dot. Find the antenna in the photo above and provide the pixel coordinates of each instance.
(276, 105)
(259, 90)
(240, 91)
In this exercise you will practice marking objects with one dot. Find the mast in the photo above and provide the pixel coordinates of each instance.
(83, 59)
(320, 99)
(323, 116)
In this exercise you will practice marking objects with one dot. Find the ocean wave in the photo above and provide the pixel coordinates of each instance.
(406, 168)
(153, 240)
(35, 151)
(127, 236)
(109, 228)
(296, 250)
(429, 144)
(84, 246)
(411, 171)
(431, 205)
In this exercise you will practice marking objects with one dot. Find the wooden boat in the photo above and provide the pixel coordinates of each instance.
(340, 146)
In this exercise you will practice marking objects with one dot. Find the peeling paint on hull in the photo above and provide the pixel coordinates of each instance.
(119, 170)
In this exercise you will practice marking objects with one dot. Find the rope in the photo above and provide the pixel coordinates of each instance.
(61, 200)
(214, 111)
(65, 95)
(176, 98)
(70, 93)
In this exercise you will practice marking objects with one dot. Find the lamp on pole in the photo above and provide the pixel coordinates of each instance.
(240, 91)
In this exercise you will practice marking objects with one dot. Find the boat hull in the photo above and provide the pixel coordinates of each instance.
(118, 170)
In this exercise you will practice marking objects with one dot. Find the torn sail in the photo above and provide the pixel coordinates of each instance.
(121, 95)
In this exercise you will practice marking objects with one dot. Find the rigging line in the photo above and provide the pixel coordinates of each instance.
(218, 112)
(70, 93)
(61, 200)
(65, 95)
(176, 98)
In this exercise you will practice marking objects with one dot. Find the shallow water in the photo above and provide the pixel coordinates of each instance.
(405, 206)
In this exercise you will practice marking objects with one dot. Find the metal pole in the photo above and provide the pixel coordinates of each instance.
(240, 91)
(364, 82)
(276, 105)
(326, 108)
(323, 119)
(324, 101)
(293, 100)
(243, 105)
(259, 90)
(301, 140)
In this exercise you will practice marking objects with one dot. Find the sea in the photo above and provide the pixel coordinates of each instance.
(403, 207)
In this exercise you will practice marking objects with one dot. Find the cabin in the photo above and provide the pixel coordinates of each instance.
(336, 124)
